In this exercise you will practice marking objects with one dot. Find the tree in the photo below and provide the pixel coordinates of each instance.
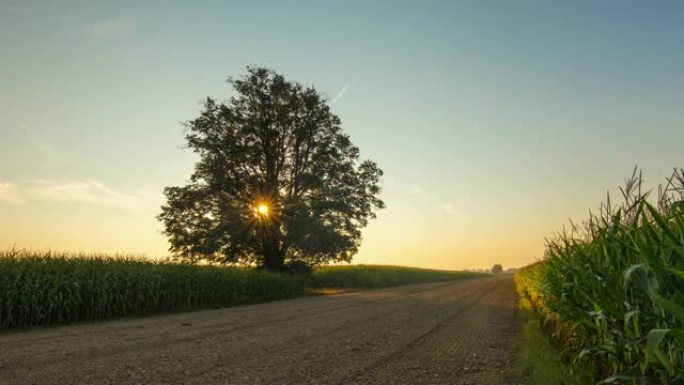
(497, 268)
(277, 180)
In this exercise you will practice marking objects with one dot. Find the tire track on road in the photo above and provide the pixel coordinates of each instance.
(138, 344)
(394, 356)
(403, 335)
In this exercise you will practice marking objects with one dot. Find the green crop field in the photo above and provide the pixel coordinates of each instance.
(613, 288)
(54, 288)
(50, 288)
(375, 276)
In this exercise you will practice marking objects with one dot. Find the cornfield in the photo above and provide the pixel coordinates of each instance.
(375, 276)
(54, 288)
(49, 288)
(612, 288)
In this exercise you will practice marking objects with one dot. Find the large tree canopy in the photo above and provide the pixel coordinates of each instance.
(276, 181)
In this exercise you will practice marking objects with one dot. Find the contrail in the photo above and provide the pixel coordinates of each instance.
(340, 94)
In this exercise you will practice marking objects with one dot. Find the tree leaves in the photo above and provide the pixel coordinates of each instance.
(275, 142)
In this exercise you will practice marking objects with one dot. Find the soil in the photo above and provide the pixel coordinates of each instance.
(460, 333)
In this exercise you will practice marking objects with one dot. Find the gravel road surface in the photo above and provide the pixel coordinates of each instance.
(459, 333)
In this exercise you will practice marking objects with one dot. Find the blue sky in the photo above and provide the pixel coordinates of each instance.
(494, 121)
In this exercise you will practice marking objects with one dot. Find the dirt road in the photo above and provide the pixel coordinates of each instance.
(447, 333)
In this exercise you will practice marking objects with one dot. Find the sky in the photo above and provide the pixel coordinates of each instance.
(494, 121)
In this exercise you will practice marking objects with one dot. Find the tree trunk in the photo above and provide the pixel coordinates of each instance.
(274, 258)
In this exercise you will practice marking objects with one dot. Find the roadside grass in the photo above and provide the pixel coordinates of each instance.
(48, 288)
(378, 276)
(540, 361)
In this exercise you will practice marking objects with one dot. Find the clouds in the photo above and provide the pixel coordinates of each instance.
(429, 198)
(416, 190)
(9, 193)
(17, 10)
(111, 28)
(448, 208)
(91, 192)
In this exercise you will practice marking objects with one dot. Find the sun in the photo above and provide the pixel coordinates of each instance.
(263, 209)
